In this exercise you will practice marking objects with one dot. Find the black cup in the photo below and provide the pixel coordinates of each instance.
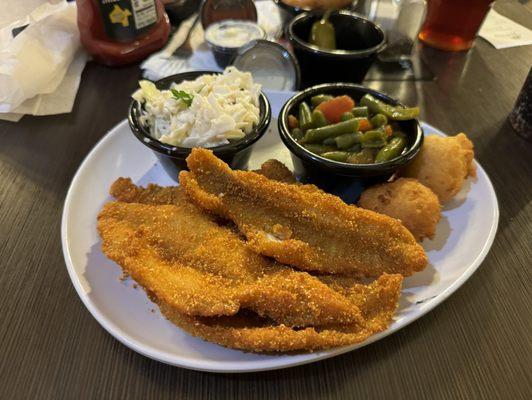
(358, 40)
(342, 179)
(173, 158)
(224, 55)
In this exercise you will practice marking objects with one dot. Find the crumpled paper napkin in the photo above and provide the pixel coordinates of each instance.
(41, 61)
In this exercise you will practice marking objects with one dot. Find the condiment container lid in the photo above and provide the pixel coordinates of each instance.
(253, 29)
(271, 65)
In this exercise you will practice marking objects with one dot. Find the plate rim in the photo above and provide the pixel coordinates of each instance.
(223, 367)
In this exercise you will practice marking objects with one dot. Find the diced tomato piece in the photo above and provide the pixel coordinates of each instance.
(334, 108)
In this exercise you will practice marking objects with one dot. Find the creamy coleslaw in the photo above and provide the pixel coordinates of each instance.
(206, 112)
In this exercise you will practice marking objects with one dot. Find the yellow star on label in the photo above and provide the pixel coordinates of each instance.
(120, 16)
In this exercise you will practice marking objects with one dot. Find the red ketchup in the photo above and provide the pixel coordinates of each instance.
(120, 32)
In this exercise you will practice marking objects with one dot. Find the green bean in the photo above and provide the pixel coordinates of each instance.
(346, 116)
(318, 135)
(297, 133)
(347, 140)
(393, 149)
(365, 156)
(376, 144)
(305, 116)
(355, 148)
(329, 141)
(378, 120)
(360, 112)
(320, 98)
(336, 155)
(318, 148)
(373, 139)
(318, 119)
(392, 112)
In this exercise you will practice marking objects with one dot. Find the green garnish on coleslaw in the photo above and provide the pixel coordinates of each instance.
(182, 95)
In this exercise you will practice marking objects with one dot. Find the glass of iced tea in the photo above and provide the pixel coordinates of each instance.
(453, 24)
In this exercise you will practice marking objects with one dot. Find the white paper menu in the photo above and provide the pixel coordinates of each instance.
(502, 32)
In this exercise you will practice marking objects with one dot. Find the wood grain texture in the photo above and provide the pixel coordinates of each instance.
(475, 345)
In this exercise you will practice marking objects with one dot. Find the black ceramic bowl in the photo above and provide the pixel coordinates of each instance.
(288, 12)
(359, 42)
(173, 158)
(343, 179)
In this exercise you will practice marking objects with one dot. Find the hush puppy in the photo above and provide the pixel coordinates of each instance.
(414, 204)
(443, 164)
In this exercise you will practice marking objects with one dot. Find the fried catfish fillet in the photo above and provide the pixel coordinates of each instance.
(123, 189)
(198, 268)
(300, 225)
(378, 302)
(276, 170)
(248, 331)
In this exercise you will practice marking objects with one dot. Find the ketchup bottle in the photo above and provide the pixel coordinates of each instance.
(120, 32)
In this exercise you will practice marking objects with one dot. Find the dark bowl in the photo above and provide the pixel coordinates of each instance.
(359, 42)
(288, 12)
(180, 10)
(343, 179)
(173, 158)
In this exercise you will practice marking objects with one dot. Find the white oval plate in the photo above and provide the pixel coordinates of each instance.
(463, 238)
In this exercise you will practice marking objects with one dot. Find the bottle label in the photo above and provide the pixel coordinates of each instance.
(125, 20)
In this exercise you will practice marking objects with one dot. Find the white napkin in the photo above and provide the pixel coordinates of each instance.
(162, 64)
(40, 68)
(502, 32)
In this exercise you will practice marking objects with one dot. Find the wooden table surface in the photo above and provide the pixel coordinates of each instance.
(477, 344)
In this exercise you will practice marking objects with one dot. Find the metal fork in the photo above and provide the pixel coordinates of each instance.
(185, 50)
(174, 63)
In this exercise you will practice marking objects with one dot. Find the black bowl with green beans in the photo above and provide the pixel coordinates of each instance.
(344, 130)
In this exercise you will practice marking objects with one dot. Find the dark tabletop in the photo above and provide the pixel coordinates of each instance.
(477, 344)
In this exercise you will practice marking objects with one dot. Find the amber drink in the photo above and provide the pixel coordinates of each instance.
(453, 24)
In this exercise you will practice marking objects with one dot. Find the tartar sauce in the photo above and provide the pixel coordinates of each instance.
(233, 33)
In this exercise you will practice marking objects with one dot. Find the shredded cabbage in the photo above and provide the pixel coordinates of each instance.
(206, 112)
